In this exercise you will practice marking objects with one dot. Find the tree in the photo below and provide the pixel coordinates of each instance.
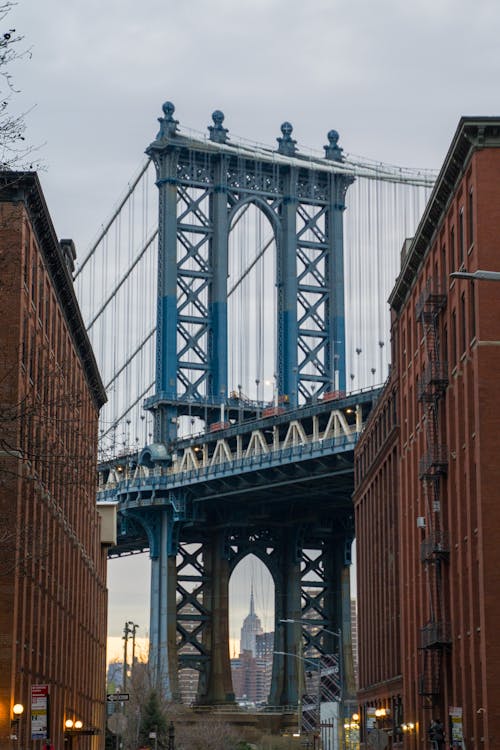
(13, 149)
(153, 719)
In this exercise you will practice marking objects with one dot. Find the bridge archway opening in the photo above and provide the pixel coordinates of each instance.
(251, 627)
(252, 303)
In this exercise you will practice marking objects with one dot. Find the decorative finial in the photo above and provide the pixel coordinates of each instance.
(168, 126)
(333, 150)
(218, 134)
(286, 145)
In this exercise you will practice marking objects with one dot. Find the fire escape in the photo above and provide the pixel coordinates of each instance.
(433, 466)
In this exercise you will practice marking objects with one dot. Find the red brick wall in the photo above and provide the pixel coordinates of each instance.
(460, 589)
(53, 596)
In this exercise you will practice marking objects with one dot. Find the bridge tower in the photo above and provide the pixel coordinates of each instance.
(202, 184)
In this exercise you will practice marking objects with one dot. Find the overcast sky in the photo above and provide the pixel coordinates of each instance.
(392, 77)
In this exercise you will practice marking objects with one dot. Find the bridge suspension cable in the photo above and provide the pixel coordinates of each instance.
(116, 286)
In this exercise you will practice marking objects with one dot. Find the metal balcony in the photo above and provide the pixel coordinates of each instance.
(435, 635)
(433, 381)
(435, 547)
(431, 301)
(434, 462)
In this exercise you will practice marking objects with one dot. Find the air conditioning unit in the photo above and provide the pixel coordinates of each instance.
(420, 522)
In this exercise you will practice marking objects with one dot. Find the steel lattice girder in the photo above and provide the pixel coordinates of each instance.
(305, 208)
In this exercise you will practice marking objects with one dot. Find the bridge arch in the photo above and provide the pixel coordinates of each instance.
(252, 300)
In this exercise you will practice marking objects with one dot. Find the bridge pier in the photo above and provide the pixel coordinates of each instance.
(287, 666)
(215, 686)
(162, 624)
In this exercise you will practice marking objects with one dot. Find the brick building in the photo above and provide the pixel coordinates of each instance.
(53, 597)
(427, 472)
(251, 677)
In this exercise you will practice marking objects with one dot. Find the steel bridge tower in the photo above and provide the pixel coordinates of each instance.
(202, 184)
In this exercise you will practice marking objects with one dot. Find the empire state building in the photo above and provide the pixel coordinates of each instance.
(251, 628)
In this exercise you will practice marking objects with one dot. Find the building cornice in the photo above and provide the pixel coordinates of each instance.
(24, 187)
(472, 134)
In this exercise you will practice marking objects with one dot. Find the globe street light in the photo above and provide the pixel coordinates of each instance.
(17, 710)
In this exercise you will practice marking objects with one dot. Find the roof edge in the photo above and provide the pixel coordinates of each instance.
(472, 134)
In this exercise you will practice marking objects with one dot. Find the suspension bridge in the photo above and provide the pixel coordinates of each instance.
(236, 304)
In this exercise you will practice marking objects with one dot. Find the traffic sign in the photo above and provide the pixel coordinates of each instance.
(118, 696)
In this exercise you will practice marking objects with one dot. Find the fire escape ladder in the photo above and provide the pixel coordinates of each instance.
(429, 683)
(433, 466)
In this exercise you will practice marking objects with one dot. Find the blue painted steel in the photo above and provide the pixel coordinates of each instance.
(167, 380)
(287, 292)
(199, 189)
(218, 262)
(201, 184)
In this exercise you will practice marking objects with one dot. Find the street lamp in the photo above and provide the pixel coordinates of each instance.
(317, 666)
(479, 275)
(17, 710)
(337, 634)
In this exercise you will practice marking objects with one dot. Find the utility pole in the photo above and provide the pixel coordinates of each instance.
(126, 632)
(129, 629)
(134, 627)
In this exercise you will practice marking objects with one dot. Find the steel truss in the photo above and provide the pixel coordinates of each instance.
(203, 186)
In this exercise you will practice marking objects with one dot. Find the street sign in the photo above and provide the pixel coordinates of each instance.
(118, 697)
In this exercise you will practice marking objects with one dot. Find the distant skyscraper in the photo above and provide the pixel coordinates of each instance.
(251, 672)
(251, 628)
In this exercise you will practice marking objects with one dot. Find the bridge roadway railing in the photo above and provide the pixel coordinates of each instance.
(139, 476)
(283, 439)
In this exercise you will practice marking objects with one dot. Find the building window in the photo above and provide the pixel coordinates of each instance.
(463, 327)
(444, 276)
(47, 308)
(471, 218)
(24, 342)
(461, 235)
(33, 281)
(452, 248)
(445, 342)
(40, 291)
(32, 357)
(26, 268)
(472, 302)
(453, 352)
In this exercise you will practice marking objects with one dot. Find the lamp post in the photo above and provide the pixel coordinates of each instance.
(71, 727)
(17, 711)
(317, 666)
(337, 634)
